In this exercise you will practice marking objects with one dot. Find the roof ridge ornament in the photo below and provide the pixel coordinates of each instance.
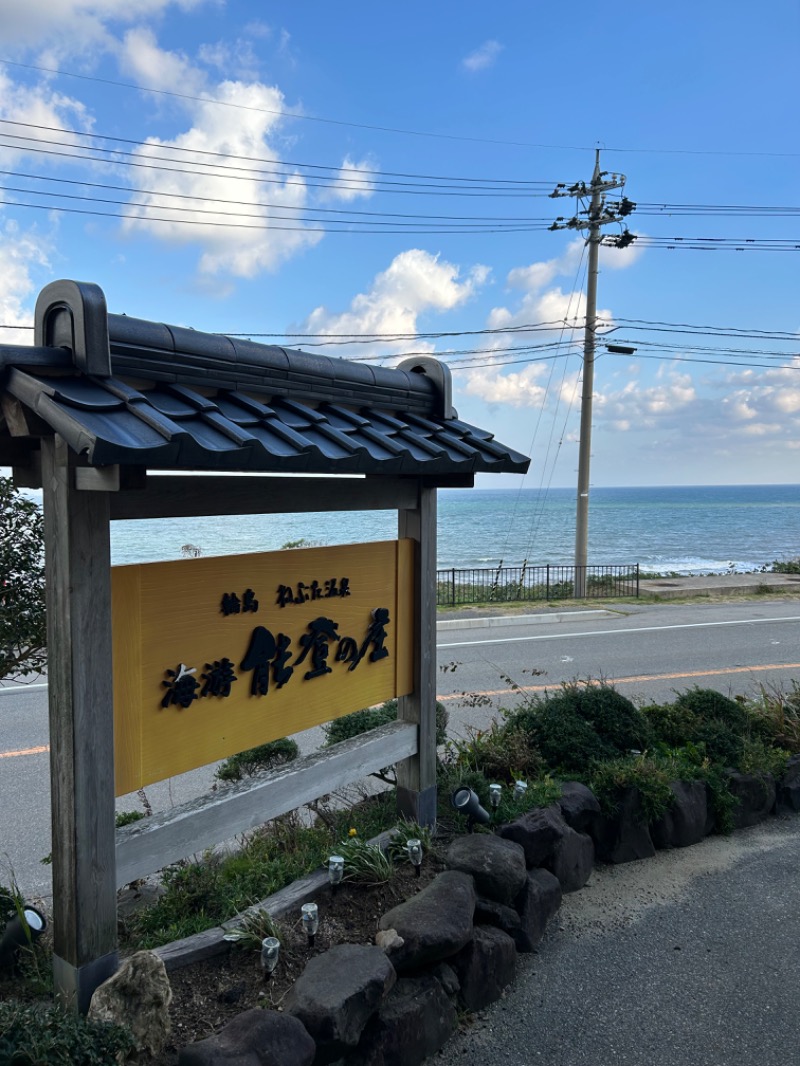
(73, 314)
(439, 374)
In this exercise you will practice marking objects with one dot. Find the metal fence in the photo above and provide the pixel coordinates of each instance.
(515, 584)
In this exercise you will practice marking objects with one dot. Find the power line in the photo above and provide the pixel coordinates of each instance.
(276, 162)
(392, 129)
(245, 203)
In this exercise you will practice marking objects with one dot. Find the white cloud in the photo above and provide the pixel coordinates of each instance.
(244, 224)
(482, 57)
(38, 105)
(354, 181)
(413, 283)
(20, 253)
(65, 24)
(156, 68)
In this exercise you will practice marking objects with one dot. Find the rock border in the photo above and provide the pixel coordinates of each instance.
(454, 945)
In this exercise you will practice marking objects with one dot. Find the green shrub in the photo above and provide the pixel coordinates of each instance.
(707, 704)
(50, 1036)
(500, 753)
(23, 632)
(648, 775)
(760, 758)
(353, 725)
(255, 760)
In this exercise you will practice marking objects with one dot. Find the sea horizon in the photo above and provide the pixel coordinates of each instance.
(684, 529)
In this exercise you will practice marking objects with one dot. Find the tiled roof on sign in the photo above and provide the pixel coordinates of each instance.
(121, 390)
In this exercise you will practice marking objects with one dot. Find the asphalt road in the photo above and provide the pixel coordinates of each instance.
(686, 959)
(648, 651)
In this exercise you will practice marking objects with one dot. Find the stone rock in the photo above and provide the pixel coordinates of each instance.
(254, 1038)
(623, 836)
(573, 860)
(685, 822)
(138, 996)
(487, 912)
(337, 993)
(485, 967)
(788, 789)
(578, 805)
(756, 794)
(536, 905)
(497, 865)
(447, 978)
(434, 924)
(388, 940)
(415, 1020)
(537, 832)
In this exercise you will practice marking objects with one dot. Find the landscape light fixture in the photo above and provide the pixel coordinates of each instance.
(466, 802)
(21, 931)
(520, 788)
(310, 913)
(414, 849)
(495, 795)
(270, 950)
(335, 871)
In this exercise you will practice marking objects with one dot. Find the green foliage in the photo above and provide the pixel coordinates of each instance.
(23, 636)
(256, 925)
(499, 752)
(128, 818)
(303, 542)
(650, 776)
(582, 725)
(706, 718)
(789, 566)
(403, 832)
(255, 760)
(364, 863)
(353, 725)
(11, 902)
(775, 717)
(198, 895)
(760, 758)
(49, 1036)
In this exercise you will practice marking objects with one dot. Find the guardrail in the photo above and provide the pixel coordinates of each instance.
(517, 584)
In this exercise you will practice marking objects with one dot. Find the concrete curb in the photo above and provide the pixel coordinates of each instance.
(495, 621)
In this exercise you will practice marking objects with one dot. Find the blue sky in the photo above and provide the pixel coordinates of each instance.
(280, 117)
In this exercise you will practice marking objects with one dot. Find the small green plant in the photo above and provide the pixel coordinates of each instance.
(124, 818)
(49, 1036)
(403, 832)
(364, 863)
(760, 758)
(500, 753)
(353, 725)
(257, 760)
(256, 925)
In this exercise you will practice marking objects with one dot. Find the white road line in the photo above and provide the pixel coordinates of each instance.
(620, 632)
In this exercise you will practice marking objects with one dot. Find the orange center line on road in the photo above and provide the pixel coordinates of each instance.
(25, 751)
(638, 679)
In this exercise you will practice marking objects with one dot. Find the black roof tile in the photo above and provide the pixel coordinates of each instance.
(178, 398)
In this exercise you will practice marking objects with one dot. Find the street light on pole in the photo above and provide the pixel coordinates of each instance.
(596, 216)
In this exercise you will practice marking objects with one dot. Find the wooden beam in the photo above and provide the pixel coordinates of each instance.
(173, 496)
(81, 730)
(154, 842)
(416, 777)
(97, 479)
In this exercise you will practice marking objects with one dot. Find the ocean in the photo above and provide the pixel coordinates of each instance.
(694, 530)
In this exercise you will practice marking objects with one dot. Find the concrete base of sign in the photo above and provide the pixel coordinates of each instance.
(419, 807)
(75, 984)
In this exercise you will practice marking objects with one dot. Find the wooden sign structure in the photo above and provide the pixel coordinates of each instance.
(94, 412)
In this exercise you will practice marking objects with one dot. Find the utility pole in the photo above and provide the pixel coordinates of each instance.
(598, 214)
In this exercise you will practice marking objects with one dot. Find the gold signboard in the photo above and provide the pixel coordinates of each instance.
(214, 656)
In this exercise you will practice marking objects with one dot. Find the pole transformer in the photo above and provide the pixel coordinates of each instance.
(591, 219)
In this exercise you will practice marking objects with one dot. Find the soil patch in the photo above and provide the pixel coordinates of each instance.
(209, 994)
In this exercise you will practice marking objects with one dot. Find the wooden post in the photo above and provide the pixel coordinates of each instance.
(416, 776)
(81, 730)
